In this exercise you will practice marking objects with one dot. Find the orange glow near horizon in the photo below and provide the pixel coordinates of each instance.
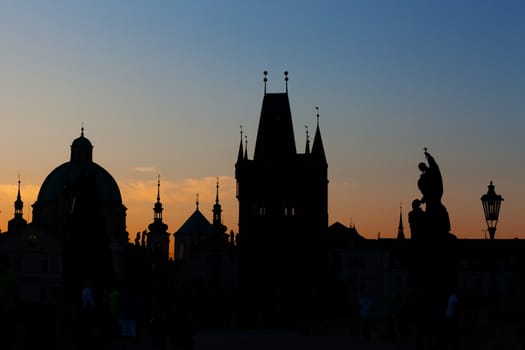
(179, 202)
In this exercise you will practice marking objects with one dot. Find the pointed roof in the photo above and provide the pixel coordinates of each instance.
(307, 147)
(275, 137)
(400, 229)
(240, 155)
(19, 205)
(196, 224)
(318, 148)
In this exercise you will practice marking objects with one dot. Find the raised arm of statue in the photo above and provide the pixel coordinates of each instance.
(434, 177)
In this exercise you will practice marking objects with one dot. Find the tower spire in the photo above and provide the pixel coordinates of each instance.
(246, 147)
(197, 202)
(400, 230)
(157, 209)
(286, 80)
(217, 210)
(217, 192)
(19, 205)
(17, 222)
(317, 147)
(240, 155)
(158, 188)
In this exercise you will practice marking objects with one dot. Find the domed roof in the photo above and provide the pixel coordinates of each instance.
(81, 149)
(81, 142)
(68, 173)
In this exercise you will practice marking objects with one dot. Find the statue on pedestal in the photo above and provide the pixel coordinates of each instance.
(433, 249)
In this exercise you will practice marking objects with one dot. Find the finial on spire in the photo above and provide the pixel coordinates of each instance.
(82, 130)
(217, 192)
(19, 185)
(317, 109)
(265, 80)
(158, 187)
(197, 201)
(241, 133)
(245, 147)
(286, 80)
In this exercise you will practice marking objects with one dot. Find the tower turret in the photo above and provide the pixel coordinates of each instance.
(17, 222)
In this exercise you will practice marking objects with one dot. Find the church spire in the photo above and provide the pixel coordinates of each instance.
(245, 147)
(240, 154)
(318, 148)
(17, 222)
(19, 205)
(217, 209)
(400, 230)
(157, 209)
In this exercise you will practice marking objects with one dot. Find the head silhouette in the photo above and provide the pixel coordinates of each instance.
(423, 167)
(416, 203)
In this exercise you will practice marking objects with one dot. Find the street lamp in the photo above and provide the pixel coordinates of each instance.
(491, 204)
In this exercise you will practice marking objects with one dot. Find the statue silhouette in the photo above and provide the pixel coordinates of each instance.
(434, 253)
(430, 184)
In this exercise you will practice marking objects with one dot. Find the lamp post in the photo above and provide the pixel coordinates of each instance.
(491, 205)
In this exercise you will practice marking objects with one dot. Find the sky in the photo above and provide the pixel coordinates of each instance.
(162, 88)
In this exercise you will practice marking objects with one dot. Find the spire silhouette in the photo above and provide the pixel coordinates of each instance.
(400, 229)
(240, 154)
(318, 148)
(217, 210)
(157, 209)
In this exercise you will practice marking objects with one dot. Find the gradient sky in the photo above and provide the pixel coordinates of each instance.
(162, 87)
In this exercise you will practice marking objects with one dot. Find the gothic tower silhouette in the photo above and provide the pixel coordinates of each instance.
(283, 201)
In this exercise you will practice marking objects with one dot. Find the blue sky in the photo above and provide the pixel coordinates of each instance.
(162, 88)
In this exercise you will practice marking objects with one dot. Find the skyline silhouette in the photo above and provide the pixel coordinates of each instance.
(163, 90)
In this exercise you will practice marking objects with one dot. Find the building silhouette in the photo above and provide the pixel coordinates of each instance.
(283, 207)
(78, 230)
(285, 268)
